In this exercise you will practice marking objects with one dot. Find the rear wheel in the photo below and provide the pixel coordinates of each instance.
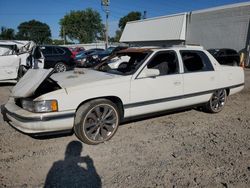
(216, 102)
(60, 67)
(96, 121)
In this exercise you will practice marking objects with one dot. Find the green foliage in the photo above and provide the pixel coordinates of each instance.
(84, 26)
(132, 16)
(7, 34)
(57, 42)
(34, 30)
(117, 36)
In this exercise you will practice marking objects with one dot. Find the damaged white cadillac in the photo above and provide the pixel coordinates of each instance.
(92, 102)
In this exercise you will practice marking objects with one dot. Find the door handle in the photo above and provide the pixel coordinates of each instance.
(177, 83)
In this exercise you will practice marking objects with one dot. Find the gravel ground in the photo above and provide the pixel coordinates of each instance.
(185, 149)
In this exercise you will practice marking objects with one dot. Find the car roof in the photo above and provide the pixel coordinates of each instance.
(152, 49)
(221, 49)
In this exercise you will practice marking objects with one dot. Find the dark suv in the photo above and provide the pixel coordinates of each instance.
(226, 56)
(57, 57)
(95, 58)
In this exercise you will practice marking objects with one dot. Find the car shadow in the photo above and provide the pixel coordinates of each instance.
(74, 170)
(158, 114)
(52, 135)
(3, 84)
(124, 121)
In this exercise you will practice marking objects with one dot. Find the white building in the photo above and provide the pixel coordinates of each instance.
(220, 27)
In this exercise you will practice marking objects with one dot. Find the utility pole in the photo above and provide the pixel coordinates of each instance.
(144, 15)
(105, 7)
(64, 37)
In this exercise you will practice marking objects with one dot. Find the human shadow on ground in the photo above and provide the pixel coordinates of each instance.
(70, 173)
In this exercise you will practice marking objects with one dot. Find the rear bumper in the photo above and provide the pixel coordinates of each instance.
(34, 123)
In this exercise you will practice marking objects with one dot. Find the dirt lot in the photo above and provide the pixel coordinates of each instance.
(185, 149)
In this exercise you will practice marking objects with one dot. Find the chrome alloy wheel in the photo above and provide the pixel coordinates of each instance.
(218, 100)
(100, 123)
(60, 67)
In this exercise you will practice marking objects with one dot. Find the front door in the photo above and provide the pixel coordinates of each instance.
(158, 92)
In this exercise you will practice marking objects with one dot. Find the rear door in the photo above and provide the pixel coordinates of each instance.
(199, 77)
(9, 65)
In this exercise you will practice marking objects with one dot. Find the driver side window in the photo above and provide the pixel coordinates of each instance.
(166, 62)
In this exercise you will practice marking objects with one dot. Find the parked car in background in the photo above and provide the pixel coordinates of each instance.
(81, 57)
(94, 102)
(76, 50)
(16, 57)
(57, 57)
(226, 56)
(95, 58)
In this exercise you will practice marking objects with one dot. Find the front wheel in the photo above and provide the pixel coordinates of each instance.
(96, 121)
(216, 102)
(60, 67)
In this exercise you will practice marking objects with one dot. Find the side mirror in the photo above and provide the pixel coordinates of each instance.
(152, 73)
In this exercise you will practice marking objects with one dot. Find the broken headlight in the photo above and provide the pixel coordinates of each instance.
(40, 106)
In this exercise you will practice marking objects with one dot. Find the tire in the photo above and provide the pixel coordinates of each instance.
(60, 67)
(216, 102)
(96, 121)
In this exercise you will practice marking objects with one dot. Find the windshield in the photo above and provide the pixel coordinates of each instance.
(213, 51)
(123, 63)
(108, 51)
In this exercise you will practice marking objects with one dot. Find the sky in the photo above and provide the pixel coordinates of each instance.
(14, 12)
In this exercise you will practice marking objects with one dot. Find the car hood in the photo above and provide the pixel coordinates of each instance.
(80, 76)
(28, 84)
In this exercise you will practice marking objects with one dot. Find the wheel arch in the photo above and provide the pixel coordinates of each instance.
(116, 100)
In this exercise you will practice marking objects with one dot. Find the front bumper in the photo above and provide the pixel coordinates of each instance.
(33, 123)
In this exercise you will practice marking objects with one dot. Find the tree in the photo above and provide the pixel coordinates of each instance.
(84, 26)
(7, 34)
(34, 30)
(117, 36)
(132, 16)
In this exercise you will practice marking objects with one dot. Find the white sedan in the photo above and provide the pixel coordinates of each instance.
(93, 102)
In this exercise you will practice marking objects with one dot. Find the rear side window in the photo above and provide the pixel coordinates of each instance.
(58, 51)
(195, 61)
(231, 52)
(47, 50)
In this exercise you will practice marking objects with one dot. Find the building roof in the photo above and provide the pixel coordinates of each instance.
(171, 27)
(165, 28)
(235, 5)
